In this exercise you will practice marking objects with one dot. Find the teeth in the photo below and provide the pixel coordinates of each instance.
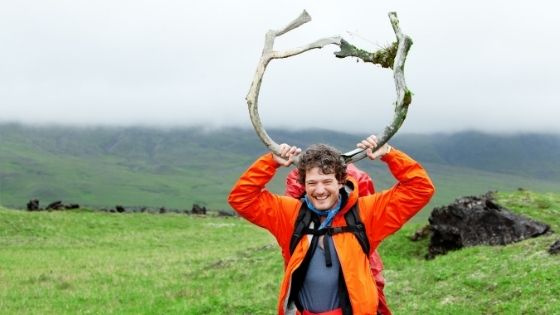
(321, 198)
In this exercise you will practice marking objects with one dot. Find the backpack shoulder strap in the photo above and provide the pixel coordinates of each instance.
(302, 222)
(353, 224)
(358, 228)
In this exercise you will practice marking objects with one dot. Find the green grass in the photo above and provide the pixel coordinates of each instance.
(521, 278)
(84, 262)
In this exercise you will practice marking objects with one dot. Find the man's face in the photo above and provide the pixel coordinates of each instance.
(322, 189)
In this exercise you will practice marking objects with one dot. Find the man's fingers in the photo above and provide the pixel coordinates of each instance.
(287, 153)
(369, 142)
(373, 140)
(293, 150)
(284, 150)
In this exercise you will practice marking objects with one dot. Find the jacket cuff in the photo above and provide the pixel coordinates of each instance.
(269, 158)
(389, 155)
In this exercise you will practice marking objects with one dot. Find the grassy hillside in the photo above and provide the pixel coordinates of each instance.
(103, 167)
(83, 262)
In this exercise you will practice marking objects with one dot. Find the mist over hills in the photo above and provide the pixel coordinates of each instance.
(102, 167)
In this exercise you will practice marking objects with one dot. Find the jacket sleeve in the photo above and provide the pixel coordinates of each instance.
(386, 212)
(252, 201)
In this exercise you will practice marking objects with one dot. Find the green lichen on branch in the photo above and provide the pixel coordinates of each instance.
(407, 97)
(384, 57)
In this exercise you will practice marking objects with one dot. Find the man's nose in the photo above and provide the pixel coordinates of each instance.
(320, 188)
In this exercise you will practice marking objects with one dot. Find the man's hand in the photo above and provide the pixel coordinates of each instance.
(287, 154)
(370, 143)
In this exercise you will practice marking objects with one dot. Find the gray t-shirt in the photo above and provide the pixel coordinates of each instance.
(319, 292)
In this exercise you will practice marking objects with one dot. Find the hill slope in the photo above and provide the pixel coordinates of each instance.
(99, 263)
(102, 167)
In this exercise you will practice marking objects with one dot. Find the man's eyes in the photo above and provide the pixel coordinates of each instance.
(327, 182)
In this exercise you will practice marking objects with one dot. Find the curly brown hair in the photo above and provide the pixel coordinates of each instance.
(326, 158)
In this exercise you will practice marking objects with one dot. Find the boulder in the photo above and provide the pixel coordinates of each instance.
(478, 220)
(554, 248)
(422, 233)
(55, 205)
(33, 205)
(196, 209)
(224, 213)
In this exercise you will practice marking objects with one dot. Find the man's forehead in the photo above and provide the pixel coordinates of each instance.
(317, 173)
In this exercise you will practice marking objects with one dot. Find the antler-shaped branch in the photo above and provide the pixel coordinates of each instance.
(393, 56)
(267, 55)
(404, 95)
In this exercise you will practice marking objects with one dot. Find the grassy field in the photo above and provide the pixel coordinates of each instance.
(84, 262)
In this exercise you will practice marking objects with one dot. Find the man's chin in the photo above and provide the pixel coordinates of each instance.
(321, 207)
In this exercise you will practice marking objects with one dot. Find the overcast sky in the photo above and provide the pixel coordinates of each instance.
(485, 65)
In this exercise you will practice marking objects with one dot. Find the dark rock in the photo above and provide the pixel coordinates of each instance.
(120, 209)
(162, 210)
(72, 206)
(223, 213)
(554, 248)
(196, 209)
(33, 205)
(424, 232)
(471, 221)
(56, 205)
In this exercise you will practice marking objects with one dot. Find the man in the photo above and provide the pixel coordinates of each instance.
(295, 189)
(329, 274)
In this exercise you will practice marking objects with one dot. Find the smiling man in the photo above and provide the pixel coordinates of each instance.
(327, 261)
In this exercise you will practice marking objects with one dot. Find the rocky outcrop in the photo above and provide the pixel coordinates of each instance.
(478, 220)
(196, 209)
(33, 205)
(554, 248)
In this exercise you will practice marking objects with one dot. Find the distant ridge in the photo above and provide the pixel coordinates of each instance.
(527, 154)
(177, 167)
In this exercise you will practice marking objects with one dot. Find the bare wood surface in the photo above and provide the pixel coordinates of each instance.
(393, 57)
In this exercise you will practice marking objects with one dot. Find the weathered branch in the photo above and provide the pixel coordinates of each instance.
(393, 57)
(267, 55)
(404, 95)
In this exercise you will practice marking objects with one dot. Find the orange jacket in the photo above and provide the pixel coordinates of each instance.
(382, 213)
(365, 187)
